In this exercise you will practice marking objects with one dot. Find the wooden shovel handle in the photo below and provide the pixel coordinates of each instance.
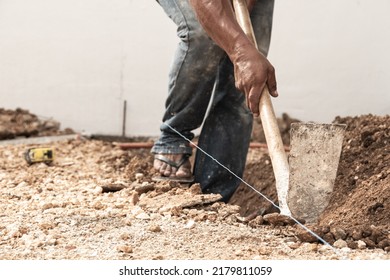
(270, 126)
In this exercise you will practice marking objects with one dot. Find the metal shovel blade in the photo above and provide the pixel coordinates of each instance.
(313, 160)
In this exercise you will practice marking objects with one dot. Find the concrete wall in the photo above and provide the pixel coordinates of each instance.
(332, 57)
(77, 61)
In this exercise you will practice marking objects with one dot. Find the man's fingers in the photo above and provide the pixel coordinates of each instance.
(271, 83)
(254, 100)
(273, 90)
(253, 86)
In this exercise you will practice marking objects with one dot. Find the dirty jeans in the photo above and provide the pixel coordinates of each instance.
(200, 68)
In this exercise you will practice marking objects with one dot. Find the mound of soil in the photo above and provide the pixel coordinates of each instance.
(22, 123)
(360, 203)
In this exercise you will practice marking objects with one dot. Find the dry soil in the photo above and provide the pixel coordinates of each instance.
(96, 201)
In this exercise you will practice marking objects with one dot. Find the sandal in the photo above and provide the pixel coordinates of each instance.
(177, 166)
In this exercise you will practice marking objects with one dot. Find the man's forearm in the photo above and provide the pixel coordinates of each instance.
(218, 20)
(252, 70)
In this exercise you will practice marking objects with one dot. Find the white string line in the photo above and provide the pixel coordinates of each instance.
(247, 184)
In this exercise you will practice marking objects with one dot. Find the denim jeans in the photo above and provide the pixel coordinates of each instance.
(201, 68)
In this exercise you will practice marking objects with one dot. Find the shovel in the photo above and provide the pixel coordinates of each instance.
(303, 187)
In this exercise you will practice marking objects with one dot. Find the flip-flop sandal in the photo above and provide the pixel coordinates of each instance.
(177, 166)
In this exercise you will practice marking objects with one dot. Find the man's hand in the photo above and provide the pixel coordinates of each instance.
(252, 70)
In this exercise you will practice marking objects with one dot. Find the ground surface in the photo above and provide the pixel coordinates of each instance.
(96, 201)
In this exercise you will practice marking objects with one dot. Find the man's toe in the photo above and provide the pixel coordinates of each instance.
(157, 164)
(167, 171)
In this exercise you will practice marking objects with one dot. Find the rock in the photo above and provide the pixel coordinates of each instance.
(356, 234)
(369, 243)
(312, 247)
(47, 205)
(345, 249)
(175, 211)
(119, 205)
(155, 228)
(47, 225)
(328, 237)
(338, 233)
(98, 205)
(139, 176)
(376, 234)
(384, 243)
(136, 210)
(265, 251)
(340, 244)
(134, 198)
(256, 222)
(277, 219)
(306, 236)
(113, 187)
(229, 210)
(190, 224)
(352, 244)
(70, 247)
(125, 236)
(294, 245)
(163, 188)
(324, 248)
(97, 190)
(200, 217)
(98, 228)
(238, 253)
(51, 241)
(144, 188)
(143, 216)
(361, 244)
(173, 184)
(125, 249)
(155, 216)
(22, 184)
(195, 189)
(213, 217)
(127, 222)
(366, 232)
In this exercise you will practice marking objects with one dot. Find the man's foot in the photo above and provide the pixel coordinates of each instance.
(173, 166)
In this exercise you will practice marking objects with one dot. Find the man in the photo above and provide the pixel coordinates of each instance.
(213, 55)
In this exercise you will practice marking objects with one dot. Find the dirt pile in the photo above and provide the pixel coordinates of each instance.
(360, 204)
(22, 123)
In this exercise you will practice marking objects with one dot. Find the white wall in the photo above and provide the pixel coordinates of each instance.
(332, 57)
(78, 60)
